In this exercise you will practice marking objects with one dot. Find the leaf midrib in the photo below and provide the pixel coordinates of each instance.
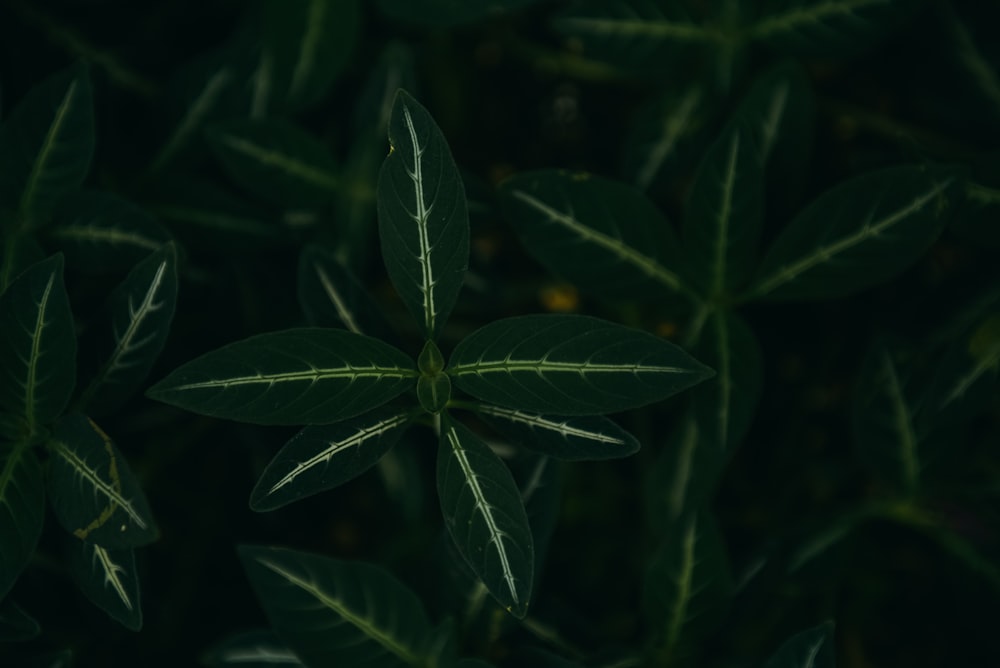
(311, 174)
(48, 145)
(313, 375)
(722, 219)
(903, 423)
(36, 353)
(655, 28)
(113, 495)
(343, 312)
(562, 428)
(98, 234)
(421, 219)
(541, 366)
(308, 47)
(795, 18)
(112, 573)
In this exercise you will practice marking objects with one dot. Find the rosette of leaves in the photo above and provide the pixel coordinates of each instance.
(544, 379)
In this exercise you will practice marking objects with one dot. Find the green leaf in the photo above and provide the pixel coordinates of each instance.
(448, 12)
(570, 365)
(46, 144)
(778, 111)
(22, 510)
(333, 612)
(724, 212)
(296, 376)
(275, 161)
(18, 251)
(92, 490)
(687, 587)
(485, 516)
(602, 236)
(15, 624)
(109, 579)
(322, 457)
(883, 422)
(856, 235)
(101, 232)
(585, 438)
(37, 344)
(331, 296)
(142, 308)
(423, 216)
(250, 649)
(307, 43)
(58, 659)
(812, 648)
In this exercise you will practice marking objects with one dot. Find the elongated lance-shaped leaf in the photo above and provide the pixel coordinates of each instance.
(485, 516)
(16, 624)
(141, 309)
(93, 492)
(296, 376)
(331, 296)
(276, 161)
(724, 212)
(423, 216)
(22, 510)
(883, 417)
(251, 649)
(570, 365)
(856, 235)
(109, 579)
(46, 145)
(812, 648)
(687, 588)
(18, 251)
(322, 457)
(602, 236)
(578, 438)
(342, 613)
(37, 344)
(101, 232)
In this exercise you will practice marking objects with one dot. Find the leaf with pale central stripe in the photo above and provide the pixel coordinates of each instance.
(295, 376)
(812, 648)
(423, 216)
(322, 457)
(109, 579)
(485, 516)
(570, 365)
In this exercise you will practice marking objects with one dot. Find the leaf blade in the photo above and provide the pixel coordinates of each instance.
(22, 510)
(108, 578)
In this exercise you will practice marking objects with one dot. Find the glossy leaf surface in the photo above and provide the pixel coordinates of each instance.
(570, 365)
(93, 492)
(37, 344)
(423, 216)
(22, 510)
(333, 612)
(322, 457)
(485, 516)
(812, 648)
(109, 579)
(296, 376)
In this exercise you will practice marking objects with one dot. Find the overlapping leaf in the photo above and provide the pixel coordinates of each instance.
(423, 216)
(37, 344)
(858, 234)
(485, 516)
(46, 144)
(22, 510)
(448, 12)
(570, 365)
(142, 308)
(93, 492)
(109, 579)
(684, 475)
(322, 457)
(812, 648)
(15, 624)
(251, 649)
(296, 376)
(332, 612)
(18, 251)
(603, 236)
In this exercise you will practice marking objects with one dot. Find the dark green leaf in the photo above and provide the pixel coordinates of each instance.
(602, 236)
(684, 475)
(296, 376)
(448, 12)
(37, 344)
(980, 71)
(100, 231)
(331, 296)
(250, 649)
(570, 365)
(18, 251)
(109, 579)
(322, 457)
(687, 588)
(725, 211)
(59, 659)
(812, 648)
(566, 438)
(46, 144)
(423, 216)
(93, 492)
(856, 235)
(276, 161)
(142, 308)
(485, 516)
(22, 510)
(342, 613)
(307, 43)
(15, 624)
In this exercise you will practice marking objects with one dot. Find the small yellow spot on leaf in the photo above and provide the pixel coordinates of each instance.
(560, 298)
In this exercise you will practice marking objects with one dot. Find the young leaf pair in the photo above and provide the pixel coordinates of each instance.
(545, 379)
